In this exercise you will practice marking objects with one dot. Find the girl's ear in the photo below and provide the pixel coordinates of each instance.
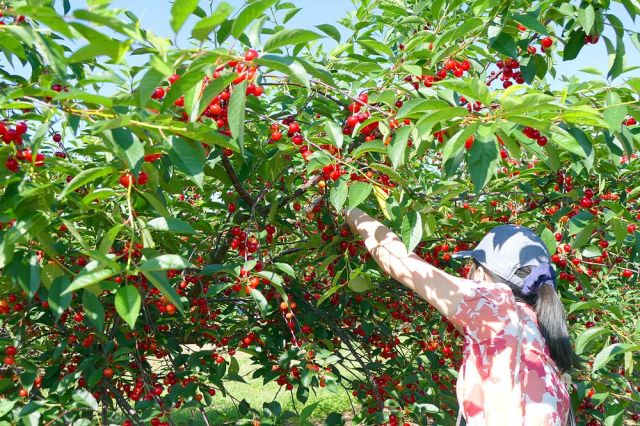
(479, 275)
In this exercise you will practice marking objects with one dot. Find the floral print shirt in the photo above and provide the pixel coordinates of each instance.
(489, 389)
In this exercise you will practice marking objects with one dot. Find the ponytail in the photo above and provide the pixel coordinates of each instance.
(552, 318)
(553, 327)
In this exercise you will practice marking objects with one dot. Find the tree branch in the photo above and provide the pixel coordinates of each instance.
(228, 167)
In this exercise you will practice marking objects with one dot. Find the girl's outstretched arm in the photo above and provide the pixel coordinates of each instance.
(441, 290)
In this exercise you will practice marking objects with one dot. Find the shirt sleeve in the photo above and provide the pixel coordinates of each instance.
(485, 309)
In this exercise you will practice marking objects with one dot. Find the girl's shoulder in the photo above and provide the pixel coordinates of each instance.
(485, 309)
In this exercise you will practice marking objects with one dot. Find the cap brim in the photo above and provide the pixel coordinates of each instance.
(462, 254)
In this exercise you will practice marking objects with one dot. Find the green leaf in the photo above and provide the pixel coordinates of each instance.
(203, 28)
(376, 48)
(439, 117)
(586, 17)
(411, 229)
(289, 37)
(237, 112)
(159, 281)
(335, 133)
(164, 262)
(482, 158)
(615, 113)
(31, 223)
(261, 301)
(591, 251)
(28, 275)
(531, 21)
(112, 48)
(504, 44)
(471, 88)
(308, 410)
(180, 11)
(248, 14)
(189, 157)
(617, 66)
(152, 79)
(574, 45)
(128, 303)
(455, 144)
(549, 240)
(607, 354)
(187, 81)
(59, 302)
(127, 146)
(84, 397)
(330, 30)
(292, 67)
(619, 228)
(417, 107)
(338, 194)
(567, 142)
(91, 274)
(588, 336)
(171, 224)
(85, 177)
(373, 146)
(94, 312)
(358, 192)
(463, 29)
(360, 283)
(397, 148)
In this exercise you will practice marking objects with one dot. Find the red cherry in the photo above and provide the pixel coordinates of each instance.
(294, 127)
(469, 142)
(12, 165)
(231, 207)
(450, 64)
(250, 55)
(546, 42)
(173, 78)
(143, 178)
(158, 93)
(542, 140)
(588, 192)
(150, 158)
(21, 128)
(108, 372)
(627, 273)
(11, 350)
(586, 203)
(126, 180)
(276, 136)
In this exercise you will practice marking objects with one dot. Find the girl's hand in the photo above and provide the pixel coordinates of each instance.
(351, 216)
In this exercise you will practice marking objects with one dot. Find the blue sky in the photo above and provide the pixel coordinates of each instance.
(154, 15)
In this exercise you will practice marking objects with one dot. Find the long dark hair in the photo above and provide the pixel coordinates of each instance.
(552, 318)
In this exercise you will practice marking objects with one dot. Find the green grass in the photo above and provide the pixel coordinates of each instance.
(224, 409)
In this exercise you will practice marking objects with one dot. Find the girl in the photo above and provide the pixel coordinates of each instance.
(516, 342)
